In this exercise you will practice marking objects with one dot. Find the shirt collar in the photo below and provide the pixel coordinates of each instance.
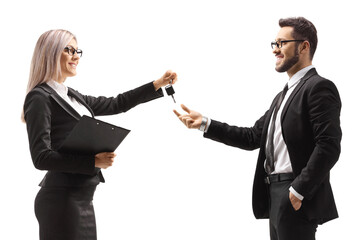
(298, 76)
(60, 88)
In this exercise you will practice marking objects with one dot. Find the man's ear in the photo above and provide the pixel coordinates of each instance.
(305, 46)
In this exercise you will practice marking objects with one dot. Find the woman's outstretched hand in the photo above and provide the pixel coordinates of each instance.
(166, 79)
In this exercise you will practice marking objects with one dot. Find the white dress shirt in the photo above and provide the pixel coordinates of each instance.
(62, 90)
(281, 154)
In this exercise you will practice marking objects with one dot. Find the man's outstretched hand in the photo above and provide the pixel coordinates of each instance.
(192, 119)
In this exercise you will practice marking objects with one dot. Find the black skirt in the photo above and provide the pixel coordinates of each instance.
(66, 213)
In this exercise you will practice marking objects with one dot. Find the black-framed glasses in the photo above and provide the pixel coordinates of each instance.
(71, 51)
(279, 44)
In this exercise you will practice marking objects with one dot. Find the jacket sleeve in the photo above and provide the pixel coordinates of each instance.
(123, 102)
(37, 112)
(324, 106)
(247, 138)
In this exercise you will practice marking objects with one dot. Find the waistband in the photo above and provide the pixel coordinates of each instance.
(279, 177)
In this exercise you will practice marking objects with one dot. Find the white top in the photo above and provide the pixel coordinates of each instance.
(281, 154)
(62, 90)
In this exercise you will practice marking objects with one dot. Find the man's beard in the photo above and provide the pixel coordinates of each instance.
(289, 63)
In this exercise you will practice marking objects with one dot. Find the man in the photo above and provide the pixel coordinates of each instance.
(299, 139)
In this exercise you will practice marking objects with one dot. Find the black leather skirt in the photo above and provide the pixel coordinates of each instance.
(66, 213)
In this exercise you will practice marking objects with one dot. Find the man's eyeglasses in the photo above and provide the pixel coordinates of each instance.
(279, 44)
(71, 51)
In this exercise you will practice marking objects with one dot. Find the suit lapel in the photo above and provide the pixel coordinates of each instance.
(79, 98)
(60, 101)
(309, 74)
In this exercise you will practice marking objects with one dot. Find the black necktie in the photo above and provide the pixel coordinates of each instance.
(269, 166)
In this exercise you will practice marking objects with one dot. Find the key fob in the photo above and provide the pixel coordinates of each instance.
(169, 90)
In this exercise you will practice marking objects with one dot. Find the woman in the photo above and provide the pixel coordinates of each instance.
(63, 205)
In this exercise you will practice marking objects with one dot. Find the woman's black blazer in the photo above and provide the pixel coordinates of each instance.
(50, 119)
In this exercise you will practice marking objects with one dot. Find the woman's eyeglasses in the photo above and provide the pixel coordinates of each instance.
(71, 51)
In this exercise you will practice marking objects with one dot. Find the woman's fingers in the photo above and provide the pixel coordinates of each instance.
(104, 160)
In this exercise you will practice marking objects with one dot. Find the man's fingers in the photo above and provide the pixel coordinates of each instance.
(176, 113)
(189, 122)
(186, 109)
(295, 202)
(185, 119)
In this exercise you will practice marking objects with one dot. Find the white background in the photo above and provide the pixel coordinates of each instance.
(169, 182)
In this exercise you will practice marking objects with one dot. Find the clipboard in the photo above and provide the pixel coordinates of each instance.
(92, 136)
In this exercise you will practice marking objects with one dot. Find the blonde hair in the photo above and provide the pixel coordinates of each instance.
(45, 63)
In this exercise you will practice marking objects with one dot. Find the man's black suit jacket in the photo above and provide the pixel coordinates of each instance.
(49, 119)
(310, 123)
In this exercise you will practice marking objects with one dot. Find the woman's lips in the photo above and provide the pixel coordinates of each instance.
(73, 65)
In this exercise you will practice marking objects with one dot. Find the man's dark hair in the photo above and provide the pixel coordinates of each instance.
(303, 29)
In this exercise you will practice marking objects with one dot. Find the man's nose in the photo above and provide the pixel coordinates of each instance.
(276, 50)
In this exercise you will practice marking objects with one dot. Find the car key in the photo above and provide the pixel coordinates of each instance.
(170, 91)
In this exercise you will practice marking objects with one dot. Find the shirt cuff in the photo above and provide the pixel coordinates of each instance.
(299, 196)
(205, 124)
